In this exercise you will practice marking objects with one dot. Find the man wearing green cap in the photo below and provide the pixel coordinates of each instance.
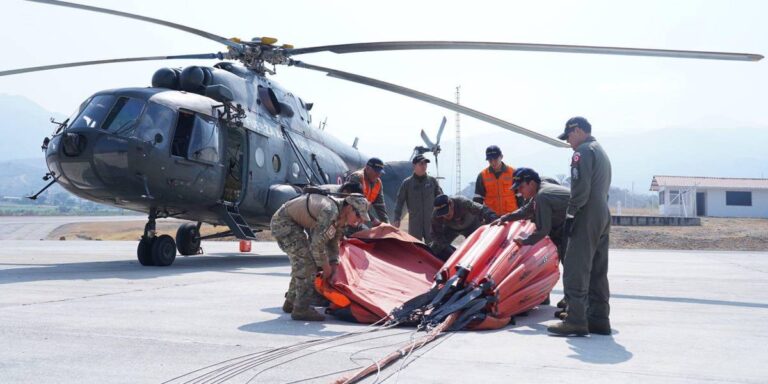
(454, 216)
(308, 229)
(588, 223)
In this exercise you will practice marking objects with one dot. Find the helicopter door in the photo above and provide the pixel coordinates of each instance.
(235, 165)
(195, 169)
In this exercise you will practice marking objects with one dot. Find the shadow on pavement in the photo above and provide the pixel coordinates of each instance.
(597, 349)
(283, 325)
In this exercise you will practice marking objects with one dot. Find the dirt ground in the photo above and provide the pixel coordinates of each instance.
(713, 234)
(131, 230)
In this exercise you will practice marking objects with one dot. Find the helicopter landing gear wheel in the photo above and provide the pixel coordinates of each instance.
(163, 251)
(188, 239)
(144, 252)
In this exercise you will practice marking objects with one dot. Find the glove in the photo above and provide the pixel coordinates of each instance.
(568, 226)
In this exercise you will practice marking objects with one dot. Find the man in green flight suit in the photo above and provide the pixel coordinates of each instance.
(308, 229)
(418, 192)
(454, 216)
(588, 223)
(546, 203)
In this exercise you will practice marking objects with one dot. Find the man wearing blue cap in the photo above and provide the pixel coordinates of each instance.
(588, 224)
(454, 216)
(373, 189)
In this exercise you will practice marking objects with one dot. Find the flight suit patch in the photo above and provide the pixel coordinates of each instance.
(575, 159)
(330, 232)
(574, 173)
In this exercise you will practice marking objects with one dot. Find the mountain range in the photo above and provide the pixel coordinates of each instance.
(711, 148)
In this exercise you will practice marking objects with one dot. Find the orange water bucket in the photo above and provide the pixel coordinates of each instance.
(245, 245)
(335, 297)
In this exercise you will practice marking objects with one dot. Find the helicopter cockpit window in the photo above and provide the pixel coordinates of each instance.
(95, 113)
(123, 116)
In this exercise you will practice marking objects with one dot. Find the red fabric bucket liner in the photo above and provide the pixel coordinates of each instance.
(380, 269)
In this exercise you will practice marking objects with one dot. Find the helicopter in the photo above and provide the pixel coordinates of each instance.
(226, 144)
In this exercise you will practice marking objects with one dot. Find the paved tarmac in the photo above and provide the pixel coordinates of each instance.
(87, 312)
(38, 227)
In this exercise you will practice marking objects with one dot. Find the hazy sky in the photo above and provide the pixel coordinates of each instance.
(620, 95)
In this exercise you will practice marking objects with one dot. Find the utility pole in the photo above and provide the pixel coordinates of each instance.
(458, 144)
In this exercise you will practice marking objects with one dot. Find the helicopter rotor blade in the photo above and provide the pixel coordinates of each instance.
(440, 131)
(426, 139)
(207, 35)
(219, 56)
(481, 45)
(432, 100)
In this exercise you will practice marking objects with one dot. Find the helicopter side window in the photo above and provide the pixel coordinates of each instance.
(95, 113)
(156, 123)
(183, 134)
(123, 116)
(196, 138)
(204, 144)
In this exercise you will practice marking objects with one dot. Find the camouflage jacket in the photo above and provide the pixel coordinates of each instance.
(326, 233)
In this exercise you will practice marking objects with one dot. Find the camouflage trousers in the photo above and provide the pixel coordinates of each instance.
(293, 240)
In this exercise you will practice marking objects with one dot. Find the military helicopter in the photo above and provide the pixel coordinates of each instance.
(227, 145)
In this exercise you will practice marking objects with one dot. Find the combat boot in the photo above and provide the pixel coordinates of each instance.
(565, 328)
(562, 303)
(600, 327)
(306, 313)
(287, 306)
(561, 314)
(319, 300)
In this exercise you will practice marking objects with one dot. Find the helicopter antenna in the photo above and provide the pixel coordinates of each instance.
(458, 143)
(321, 124)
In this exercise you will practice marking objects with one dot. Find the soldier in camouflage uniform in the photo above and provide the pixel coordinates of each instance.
(454, 216)
(308, 229)
(588, 224)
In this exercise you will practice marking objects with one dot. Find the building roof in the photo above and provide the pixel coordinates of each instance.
(706, 182)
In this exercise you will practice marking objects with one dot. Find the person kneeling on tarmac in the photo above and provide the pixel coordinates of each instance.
(309, 229)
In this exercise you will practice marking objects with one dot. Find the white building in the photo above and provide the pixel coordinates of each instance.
(711, 196)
